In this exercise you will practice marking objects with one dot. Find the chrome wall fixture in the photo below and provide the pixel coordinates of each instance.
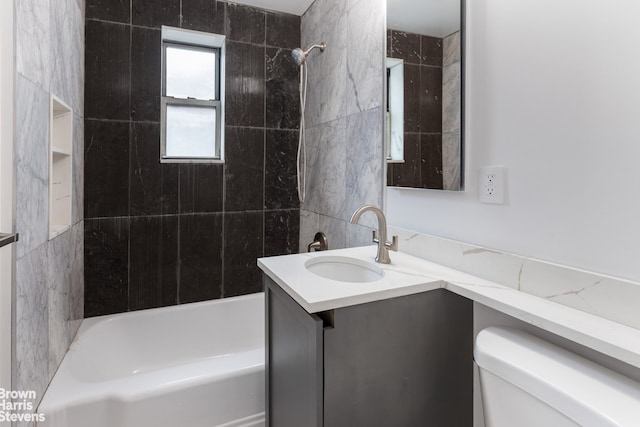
(320, 243)
(384, 246)
(300, 58)
(6, 239)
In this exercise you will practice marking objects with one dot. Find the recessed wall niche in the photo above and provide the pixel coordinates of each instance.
(60, 167)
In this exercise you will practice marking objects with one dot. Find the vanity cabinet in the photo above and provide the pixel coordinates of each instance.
(405, 361)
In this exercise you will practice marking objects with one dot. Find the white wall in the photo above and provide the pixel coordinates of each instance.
(553, 95)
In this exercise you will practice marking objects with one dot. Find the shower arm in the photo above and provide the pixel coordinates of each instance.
(321, 46)
(300, 56)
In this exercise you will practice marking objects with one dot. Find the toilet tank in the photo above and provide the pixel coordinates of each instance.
(526, 381)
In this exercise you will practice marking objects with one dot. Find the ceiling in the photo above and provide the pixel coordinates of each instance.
(437, 18)
(296, 7)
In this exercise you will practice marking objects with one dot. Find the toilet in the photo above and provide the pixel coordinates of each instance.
(528, 382)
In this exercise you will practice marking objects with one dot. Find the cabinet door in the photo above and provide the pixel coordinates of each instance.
(400, 362)
(294, 358)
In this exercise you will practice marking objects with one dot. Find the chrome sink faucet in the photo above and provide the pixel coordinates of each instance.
(383, 244)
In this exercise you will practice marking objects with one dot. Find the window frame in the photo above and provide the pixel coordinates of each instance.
(196, 40)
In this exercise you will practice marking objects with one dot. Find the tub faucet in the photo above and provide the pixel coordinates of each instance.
(383, 244)
(320, 242)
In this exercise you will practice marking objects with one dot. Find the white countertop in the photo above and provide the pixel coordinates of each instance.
(408, 275)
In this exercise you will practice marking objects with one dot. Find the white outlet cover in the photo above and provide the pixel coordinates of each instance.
(491, 185)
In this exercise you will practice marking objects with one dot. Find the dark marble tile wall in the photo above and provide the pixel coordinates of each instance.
(422, 57)
(164, 234)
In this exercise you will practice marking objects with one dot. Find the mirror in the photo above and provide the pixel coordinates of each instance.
(424, 120)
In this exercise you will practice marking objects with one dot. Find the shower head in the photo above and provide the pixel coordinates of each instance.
(300, 56)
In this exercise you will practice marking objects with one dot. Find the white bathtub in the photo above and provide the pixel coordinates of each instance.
(191, 365)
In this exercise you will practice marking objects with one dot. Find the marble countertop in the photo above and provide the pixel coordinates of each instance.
(408, 275)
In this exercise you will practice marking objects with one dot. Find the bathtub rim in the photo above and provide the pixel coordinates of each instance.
(68, 389)
(89, 322)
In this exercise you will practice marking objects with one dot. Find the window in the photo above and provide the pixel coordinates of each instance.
(192, 105)
(394, 136)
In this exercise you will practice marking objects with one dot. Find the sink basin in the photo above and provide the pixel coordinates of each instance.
(344, 269)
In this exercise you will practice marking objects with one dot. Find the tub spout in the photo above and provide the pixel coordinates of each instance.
(383, 245)
(320, 242)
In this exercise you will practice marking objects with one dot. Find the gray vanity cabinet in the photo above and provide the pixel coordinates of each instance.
(404, 361)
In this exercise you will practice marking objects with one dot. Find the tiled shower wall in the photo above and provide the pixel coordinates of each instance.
(49, 273)
(451, 112)
(163, 234)
(344, 118)
(423, 125)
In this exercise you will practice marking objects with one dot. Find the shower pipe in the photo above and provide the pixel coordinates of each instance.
(300, 58)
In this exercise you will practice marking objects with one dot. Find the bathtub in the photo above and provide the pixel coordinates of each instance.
(193, 365)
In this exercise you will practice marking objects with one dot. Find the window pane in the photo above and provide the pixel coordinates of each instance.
(191, 131)
(191, 73)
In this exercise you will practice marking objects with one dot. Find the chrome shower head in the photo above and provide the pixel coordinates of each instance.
(300, 56)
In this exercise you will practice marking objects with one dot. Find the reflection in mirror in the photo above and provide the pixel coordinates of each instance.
(424, 105)
(394, 125)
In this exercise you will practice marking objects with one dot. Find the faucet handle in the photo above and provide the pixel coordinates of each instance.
(320, 242)
(393, 245)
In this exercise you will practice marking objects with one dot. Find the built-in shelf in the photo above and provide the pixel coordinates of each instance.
(60, 151)
(60, 167)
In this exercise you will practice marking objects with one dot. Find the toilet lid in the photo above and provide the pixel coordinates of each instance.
(584, 391)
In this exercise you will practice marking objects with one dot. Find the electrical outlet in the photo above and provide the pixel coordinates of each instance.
(492, 185)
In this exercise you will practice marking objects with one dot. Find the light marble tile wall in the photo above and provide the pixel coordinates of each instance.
(451, 161)
(49, 273)
(339, 233)
(325, 21)
(31, 361)
(451, 96)
(608, 297)
(77, 213)
(65, 279)
(364, 165)
(33, 41)
(67, 53)
(335, 230)
(451, 49)
(365, 56)
(309, 222)
(344, 119)
(327, 168)
(32, 161)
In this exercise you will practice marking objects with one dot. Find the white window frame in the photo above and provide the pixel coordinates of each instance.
(394, 134)
(197, 40)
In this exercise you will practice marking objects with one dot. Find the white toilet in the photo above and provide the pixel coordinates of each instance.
(528, 382)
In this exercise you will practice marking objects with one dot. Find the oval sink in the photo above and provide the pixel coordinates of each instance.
(344, 269)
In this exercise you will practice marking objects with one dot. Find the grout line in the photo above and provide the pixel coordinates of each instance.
(223, 240)
(224, 185)
(184, 214)
(264, 142)
(119, 120)
(159, 275)
(129, 162)
(178, 243)
(178, 261)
